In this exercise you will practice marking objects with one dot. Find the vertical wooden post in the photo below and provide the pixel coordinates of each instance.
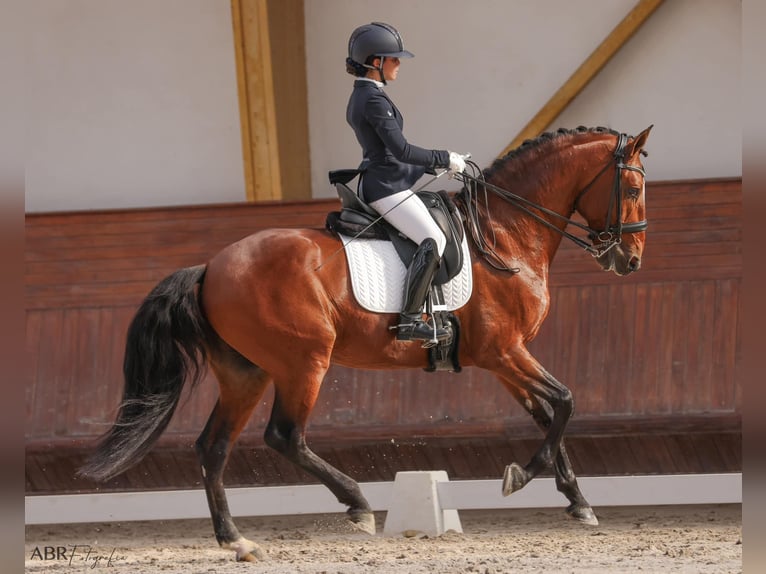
(288, 56)
(273, 103)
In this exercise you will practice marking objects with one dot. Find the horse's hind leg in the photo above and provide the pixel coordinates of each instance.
(285, 433)
(566, 481)
(242, 385)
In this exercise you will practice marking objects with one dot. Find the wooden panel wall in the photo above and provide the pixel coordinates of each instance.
(655, 356)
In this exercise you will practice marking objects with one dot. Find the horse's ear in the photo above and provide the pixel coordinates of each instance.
(638, 143)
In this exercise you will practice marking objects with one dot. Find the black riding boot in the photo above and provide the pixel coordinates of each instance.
(417, 284)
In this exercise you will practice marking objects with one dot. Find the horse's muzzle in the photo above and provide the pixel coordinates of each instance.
(620, 262)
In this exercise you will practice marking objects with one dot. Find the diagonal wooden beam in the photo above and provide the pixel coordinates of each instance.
(586, 72)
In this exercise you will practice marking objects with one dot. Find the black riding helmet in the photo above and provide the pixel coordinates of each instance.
(376, 39)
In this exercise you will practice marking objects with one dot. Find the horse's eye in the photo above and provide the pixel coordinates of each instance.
(634, 192)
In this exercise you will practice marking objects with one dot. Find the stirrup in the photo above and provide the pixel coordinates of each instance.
(419, 330)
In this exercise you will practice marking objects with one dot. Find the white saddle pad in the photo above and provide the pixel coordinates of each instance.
(377, 276)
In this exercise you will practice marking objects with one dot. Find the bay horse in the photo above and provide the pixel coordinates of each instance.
(271, 309)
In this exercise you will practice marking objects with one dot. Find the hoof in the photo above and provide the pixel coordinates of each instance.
(514, 479)
(583, 514)
(249, 557)
(363, 521)
(247, 550)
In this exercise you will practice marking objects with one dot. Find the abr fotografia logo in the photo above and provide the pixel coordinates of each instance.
(76, 555)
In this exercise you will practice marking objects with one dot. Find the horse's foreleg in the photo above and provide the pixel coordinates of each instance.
(529, 377)
(240, 391)
(285, 433)
(566, 481)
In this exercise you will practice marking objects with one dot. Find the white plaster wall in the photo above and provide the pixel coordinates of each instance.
(134, 103)
(130, 104)
(682, 73)
(483, 70)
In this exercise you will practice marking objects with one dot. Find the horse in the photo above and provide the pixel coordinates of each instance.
(276, 309)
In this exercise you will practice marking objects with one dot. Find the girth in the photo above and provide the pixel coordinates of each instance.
(358, 220)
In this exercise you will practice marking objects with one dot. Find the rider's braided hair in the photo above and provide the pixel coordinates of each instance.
(357, 69)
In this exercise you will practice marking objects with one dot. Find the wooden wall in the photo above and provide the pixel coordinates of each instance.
(653, 359)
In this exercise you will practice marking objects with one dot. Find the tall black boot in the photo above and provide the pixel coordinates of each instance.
(417, 285)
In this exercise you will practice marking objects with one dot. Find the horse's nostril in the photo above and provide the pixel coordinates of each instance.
(634, 263)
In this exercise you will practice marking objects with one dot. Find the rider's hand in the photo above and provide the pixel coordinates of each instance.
(456, 163)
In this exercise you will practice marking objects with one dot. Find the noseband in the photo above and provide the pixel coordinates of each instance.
(607, 238)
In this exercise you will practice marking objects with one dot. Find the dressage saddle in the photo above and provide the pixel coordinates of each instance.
(358, 220)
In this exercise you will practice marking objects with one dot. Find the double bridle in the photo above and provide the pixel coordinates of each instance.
(607, 238)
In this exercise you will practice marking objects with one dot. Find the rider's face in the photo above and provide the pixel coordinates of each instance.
(390, 68)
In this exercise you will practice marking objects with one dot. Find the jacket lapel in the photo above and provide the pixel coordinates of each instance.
(397, 113)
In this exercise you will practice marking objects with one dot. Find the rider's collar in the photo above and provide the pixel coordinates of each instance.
(376, 82)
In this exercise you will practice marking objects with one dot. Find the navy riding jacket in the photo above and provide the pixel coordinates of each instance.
(390, 164)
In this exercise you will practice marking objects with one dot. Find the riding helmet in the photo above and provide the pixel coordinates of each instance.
(376, 39)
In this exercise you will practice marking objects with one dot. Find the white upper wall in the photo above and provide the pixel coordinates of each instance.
(482, 70)
(133, 103)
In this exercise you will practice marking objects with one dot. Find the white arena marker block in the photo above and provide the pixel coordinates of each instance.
(415, 505)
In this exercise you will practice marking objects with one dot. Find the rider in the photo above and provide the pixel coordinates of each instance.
(391, 166)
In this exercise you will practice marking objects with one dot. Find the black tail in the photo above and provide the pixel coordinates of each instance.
(164, 348)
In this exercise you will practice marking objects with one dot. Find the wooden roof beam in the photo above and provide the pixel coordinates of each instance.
(586, 72)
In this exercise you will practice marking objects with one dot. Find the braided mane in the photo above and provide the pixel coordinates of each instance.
(532, 144)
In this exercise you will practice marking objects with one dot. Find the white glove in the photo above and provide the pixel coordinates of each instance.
(456, 163)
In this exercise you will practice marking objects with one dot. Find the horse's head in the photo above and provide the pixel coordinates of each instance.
(613, 204)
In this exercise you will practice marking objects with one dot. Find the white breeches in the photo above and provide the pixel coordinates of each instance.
(411, 217)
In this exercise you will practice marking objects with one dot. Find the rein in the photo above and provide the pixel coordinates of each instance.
(608, 237)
